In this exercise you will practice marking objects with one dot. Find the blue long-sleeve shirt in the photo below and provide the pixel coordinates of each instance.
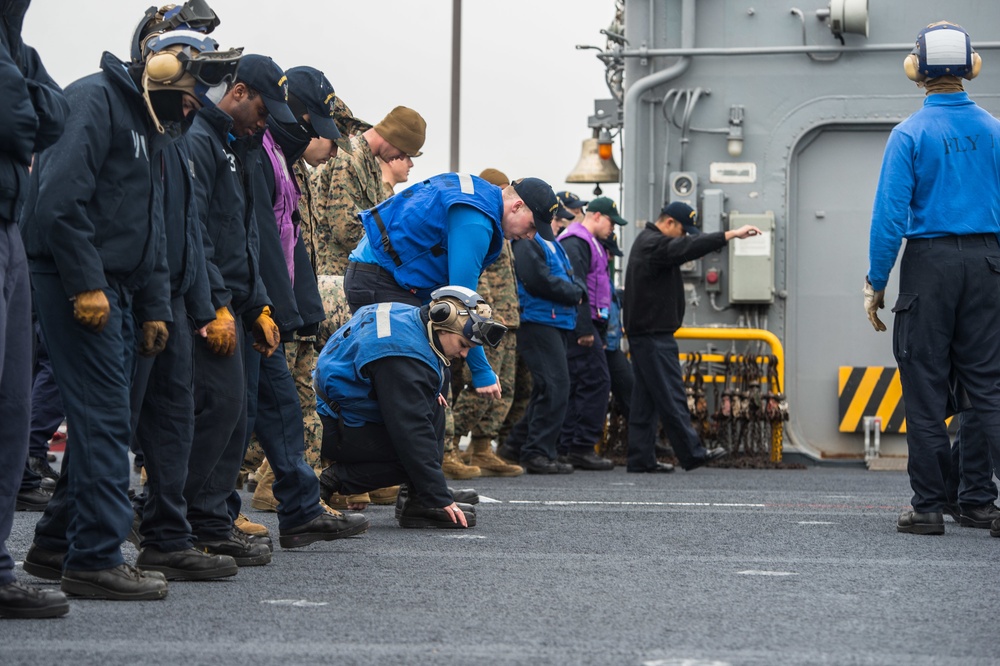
(940, 177)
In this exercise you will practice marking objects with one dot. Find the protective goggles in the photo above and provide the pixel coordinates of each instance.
(207, 66)
(483, 331)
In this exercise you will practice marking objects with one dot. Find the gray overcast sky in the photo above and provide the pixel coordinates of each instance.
(526, 91)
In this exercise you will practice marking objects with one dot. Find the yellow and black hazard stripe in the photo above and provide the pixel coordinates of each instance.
(871, 391)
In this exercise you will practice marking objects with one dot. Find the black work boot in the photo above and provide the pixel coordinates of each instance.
(121, 583)
(24, 601)
(236, 545)
(189, 564)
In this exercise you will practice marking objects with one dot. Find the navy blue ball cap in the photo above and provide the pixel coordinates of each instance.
(311, 87)
(684, 214)
(570, 200)
(263, 75)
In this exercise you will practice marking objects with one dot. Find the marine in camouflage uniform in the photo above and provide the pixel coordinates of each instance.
(477, 414)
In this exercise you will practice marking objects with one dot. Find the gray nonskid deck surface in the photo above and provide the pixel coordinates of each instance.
(711, 567)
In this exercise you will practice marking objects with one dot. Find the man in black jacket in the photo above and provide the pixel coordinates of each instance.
(653, 310)
(31, 119)
(93, 231)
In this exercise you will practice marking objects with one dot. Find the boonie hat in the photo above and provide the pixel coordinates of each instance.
(263, 75)
(405, 129)
(684, 214)
(606, 206)
(540, 198)
(495, 177)
(311, 87)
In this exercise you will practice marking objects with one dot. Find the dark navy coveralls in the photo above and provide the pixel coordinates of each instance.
(91, 222)
(31, 119)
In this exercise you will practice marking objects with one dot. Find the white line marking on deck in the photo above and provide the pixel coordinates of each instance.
(598, 502)
(757, 572)
(483, 499)
(298, 603)
(462, 536)
(815, 522)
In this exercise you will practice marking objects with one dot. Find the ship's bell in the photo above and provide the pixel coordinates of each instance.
(591, 168)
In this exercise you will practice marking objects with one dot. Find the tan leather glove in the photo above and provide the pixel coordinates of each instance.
(266, 335)
(91, 309)
(221, 336)
(154, 338)
(874, 301)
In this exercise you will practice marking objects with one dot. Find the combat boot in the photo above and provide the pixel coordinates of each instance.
(384, 496)
(454, 468)
(263, 497)
(480, 454)
(244, 524)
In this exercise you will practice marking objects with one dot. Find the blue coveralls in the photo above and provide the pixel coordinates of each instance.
(162, 395)
(91, 222)
(224, 201)
(31, 118)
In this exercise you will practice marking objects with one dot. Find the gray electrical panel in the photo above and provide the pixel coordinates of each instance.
(751, 260)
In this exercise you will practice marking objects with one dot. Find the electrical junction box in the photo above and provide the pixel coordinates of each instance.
(751, 260)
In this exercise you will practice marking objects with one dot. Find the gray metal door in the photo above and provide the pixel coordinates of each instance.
(833, 177)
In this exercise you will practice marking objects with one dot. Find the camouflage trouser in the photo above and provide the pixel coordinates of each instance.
(520, 396)
(302, 357)
(480, 415)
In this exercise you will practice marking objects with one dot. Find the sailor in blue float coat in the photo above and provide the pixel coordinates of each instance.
(442, 231)
(379, 382)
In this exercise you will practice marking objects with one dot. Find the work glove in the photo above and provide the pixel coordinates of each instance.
(874, 301)
(221, 336)
(266, 335)
(91, 309)
(154, 338)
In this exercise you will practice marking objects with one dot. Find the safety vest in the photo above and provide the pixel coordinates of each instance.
(598, 281)
(408, 232)
(375, 331)
(539, 310)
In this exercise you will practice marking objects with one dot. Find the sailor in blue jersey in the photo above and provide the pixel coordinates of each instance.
(379, 382)
(443, 231)
(940, 189)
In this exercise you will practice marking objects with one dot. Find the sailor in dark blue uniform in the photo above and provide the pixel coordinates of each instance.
(31, 119)
(93, 231)
(379, 384)
(163, 388)
(224, 201)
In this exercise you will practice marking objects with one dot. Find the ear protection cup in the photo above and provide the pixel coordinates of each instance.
(443, 314)
(164, 68)
(977, 64)
(911, 65)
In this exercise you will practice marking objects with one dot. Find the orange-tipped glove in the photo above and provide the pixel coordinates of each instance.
(266, 335)
(154, 338)
(221, 336)
(91, 309)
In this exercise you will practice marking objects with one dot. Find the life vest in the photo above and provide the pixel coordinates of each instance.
(539, 310)
(598, 281)
(374, 332)
(408, 232)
